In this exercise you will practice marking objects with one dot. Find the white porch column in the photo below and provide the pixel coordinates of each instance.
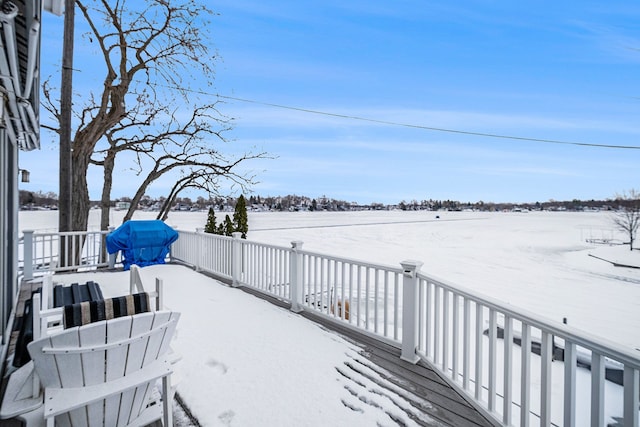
(410, 269)
(295, 274)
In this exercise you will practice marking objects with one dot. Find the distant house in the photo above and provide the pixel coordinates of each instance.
(121, 206)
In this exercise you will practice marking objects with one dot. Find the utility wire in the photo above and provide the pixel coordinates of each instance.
(409, 125)
(414, 126)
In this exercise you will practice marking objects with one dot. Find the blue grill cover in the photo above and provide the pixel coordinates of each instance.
(142, 242)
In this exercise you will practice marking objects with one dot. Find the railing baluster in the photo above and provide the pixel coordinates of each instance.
(351, 292)
(525, 375)
(278, 272)
(274, 283)
(256, 264)
(324, 285)
(313, 272)
(367, 278)
(421, 316)
(546, 356)
(386, 303)
(376, 289)
(570, 366)
(466, 344)
(446, 331)
(428, 323)
(48, 259)
(359, 293)
(479, 332)
(334, 301)
(319, 280)
(267, 277)
(437, 321)
(456, 337)
(396, 304)
(492, 359)
(597, 389)
(508, 371)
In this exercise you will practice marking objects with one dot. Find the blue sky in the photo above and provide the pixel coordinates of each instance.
(562, 71)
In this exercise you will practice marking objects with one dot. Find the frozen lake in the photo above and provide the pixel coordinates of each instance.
(539, 261)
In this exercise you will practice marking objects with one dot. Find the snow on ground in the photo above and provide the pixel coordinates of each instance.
(246, 362)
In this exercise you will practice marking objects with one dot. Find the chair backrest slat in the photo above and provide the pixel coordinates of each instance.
(67, 365)
(93, 363)
(170, 317)
(138, 347)
(155, 345)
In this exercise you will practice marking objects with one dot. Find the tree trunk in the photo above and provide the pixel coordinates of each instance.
(105, 201)
(80, 200)
(166, 208)
(138, 196)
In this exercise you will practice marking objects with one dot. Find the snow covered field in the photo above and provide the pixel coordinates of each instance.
(267, 366)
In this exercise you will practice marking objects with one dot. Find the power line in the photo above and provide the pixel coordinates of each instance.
(414, 126)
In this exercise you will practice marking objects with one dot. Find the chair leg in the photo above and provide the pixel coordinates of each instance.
(167, 404)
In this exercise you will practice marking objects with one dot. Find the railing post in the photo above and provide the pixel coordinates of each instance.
(236, 258)
(295, 274)
(201, 253)
(410, 310)
(171, 259)
(27, 249)
(111, 257)
(112, 260)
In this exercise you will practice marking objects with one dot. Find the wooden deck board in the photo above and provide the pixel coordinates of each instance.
(421, 383)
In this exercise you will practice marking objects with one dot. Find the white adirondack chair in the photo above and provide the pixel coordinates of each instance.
(104, 373)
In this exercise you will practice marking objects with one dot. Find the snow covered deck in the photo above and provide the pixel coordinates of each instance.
(470, 337)
(246, 361)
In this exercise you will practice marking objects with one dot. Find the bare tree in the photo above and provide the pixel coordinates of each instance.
(144, 46)
(627, 218)
(199, 168)
(173, 146)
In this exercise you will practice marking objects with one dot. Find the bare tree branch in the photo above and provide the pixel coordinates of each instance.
(144, 45)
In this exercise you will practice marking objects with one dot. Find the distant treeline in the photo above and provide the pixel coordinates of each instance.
(40, 200)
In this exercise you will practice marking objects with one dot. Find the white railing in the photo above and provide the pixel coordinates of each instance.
(264, 267)
(206, 252)
(517, 367)
(505, 360)
(361, 294)
(66, 251)
(509, 360)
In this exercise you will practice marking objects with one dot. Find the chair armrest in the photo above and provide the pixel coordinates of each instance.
(61, 400)
(19, 395)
